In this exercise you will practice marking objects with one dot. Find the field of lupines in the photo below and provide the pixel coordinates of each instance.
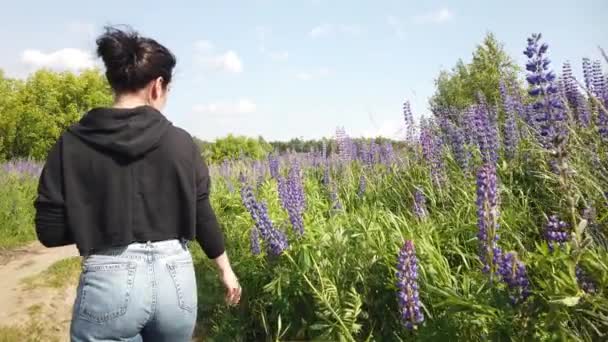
(492, 224)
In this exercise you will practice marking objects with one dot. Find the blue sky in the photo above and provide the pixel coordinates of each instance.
(285, 69)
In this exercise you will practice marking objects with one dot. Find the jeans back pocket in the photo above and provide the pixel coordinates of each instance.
(182, 273)
(106, 290)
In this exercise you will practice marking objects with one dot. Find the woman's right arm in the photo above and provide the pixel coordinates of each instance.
(209, 234)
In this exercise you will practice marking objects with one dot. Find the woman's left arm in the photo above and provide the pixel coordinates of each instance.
(51, 225)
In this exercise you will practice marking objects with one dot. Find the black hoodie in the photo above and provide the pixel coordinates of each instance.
(125, 175)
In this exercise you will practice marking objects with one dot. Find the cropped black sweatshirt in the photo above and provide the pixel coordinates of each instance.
(121, 176)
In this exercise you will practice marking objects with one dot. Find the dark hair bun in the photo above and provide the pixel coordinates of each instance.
(133, 61)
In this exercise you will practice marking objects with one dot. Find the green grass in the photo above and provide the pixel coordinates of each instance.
(17, 195)
(61, 274)
(35, 329)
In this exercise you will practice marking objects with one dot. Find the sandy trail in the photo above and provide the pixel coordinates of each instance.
(16, 303)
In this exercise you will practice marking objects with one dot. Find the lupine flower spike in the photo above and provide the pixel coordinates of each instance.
(407, 283)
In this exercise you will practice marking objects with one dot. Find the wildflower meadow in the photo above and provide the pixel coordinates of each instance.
(488, 222)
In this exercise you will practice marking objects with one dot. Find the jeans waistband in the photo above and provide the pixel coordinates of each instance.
(138, 250)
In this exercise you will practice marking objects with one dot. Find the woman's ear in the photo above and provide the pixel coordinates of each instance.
(158, 89)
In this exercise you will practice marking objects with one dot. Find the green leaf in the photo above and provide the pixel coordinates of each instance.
(567, 301)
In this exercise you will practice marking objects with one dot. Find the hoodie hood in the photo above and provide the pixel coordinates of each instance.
(130, 132)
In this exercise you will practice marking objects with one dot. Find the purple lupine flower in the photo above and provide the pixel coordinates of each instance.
(556, 232)
(549, 109)
(345, 145)
(254, 238)
(362, 186)
(599, 83)
(586, 283)
(366, 155)
(419, 204)
(513, 273)
(273, 165)
(577, 103)
(431, 151)
(456, 140)
(486, 134)
(599, 90)
(588, 75)
(410, 125)
(459, 149)
(275, 240)
(407, 282)
(387, 155)
(487, 216)
(23, 168)
(291, 193)
(374, 151)
(510, 131)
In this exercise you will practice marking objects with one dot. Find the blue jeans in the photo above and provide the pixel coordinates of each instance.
(141, 292)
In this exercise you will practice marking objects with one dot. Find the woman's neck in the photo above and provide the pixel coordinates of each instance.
(129, 101)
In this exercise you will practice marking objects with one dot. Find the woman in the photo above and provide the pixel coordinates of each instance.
(130, 189)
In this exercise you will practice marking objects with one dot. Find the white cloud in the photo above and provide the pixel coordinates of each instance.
(304, 76)
(242, 106)
(228, 61)
(61, 60)
(278, 55)
(313, 74)
(329, 29)
(396, 26)
(439, 16)
(320, 31)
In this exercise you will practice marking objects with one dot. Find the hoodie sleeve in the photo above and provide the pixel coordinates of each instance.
(50, 219)
(208, 232)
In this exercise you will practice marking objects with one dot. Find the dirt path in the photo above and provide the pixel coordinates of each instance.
(18, 305)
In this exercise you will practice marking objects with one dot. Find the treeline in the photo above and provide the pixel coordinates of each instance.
(35, 111)
(235, 147)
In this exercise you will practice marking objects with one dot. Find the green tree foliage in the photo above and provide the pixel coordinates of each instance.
(234, 147)
(34, 112)
(458, 88)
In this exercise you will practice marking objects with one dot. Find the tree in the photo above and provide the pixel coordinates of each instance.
(234, 147)
(457, 89)
(8, 113)
(34, 112)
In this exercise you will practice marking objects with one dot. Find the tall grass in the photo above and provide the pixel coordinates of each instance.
(337, 281)
(17, 195)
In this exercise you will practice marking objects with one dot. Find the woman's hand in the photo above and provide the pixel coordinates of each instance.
(233, 288)
(231, 283)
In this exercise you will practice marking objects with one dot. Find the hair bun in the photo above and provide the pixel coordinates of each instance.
(119, 50)
(131, 60)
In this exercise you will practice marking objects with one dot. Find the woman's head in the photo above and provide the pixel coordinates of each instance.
(136, 66)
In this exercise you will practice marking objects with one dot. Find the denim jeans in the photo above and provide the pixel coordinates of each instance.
(141, 292)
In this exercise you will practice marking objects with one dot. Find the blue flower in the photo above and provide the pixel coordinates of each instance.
(556, 232)
(407, 283)
(276, 240)
(419, 204)
(487, 216)
(549, 111)
(513, 273)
